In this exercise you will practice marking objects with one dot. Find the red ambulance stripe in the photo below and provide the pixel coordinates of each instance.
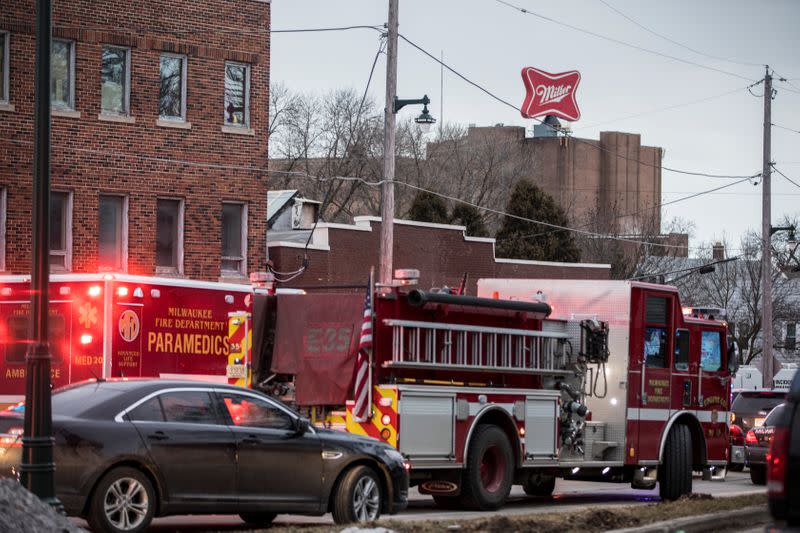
(238, 335)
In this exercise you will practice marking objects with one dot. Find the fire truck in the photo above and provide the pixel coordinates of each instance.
(116, 325)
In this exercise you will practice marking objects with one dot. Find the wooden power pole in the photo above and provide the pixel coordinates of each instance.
(387, 203)
(766, 234)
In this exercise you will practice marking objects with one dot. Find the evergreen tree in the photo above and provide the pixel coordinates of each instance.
(519, 239)
(469, 216)
(427, 207)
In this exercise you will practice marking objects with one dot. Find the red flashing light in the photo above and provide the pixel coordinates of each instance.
(122, 291)
(5, 291)
(12, 439)
(94, 291)
(86, 338)
(751, 438)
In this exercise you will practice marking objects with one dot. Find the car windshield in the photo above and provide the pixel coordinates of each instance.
(774, 415)
(754, 402)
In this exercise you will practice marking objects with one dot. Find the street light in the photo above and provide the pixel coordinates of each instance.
(768, 365)
(425, 120)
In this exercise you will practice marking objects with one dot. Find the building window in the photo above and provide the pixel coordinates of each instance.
(62, 74)
(169, 236)
(4, 67)
(791, 336)
(60, 230)
(234, 239)
(115, 75)
(112, 241)
(237, 94)
(172, 97)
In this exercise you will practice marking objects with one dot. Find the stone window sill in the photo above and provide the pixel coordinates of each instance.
(5, 106)
(65, 113)
(168, 272)
(238, 130)
(125, 119)
(178, 124)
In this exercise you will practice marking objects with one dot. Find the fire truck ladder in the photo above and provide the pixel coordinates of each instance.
(465, 347)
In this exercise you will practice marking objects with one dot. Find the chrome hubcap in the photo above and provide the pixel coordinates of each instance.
(366, 499)
(126, 504)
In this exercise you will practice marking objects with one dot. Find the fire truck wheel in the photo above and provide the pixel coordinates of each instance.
(258, 519)
(357, 497)
(539, 484)
(123, 501)
(675, 471)
(758, 475)
(489, 471)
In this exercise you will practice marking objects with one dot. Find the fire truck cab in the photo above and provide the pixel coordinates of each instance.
(538, 379)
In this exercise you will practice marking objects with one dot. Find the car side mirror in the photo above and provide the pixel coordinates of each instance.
(733, 359)
(301, 426)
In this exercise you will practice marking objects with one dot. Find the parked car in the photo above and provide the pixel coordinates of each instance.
(756, 444)
(129, 450)
(749, 408)
(783, 461)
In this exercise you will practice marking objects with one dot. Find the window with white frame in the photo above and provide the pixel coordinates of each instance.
(5, 39)
(115, 75)
(237, 94)
(62, 74)
(234, 238)
(172, 96)
(60, 230)
(112, 239)
(169, 235)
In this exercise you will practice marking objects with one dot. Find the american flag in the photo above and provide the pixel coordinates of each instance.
(361, 408)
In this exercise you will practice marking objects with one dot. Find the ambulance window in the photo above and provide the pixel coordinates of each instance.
(18, 334)
(710, 351)
(682, 349)
(252, 412)
(655, 347)
(149, 411)
(192, 407)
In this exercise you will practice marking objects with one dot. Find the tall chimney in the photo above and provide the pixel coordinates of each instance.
(718, 252)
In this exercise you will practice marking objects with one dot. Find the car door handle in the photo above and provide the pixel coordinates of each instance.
(251, 439)
(158, 435)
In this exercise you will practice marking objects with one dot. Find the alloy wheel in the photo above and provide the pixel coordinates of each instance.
(366, 499)
(126, 504)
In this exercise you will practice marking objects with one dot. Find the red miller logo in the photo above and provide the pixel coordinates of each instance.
(550, 94)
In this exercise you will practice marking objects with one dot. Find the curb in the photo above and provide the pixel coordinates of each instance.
(706, 522)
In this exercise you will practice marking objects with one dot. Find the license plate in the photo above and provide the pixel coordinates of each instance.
(758, 422)
(236, 371)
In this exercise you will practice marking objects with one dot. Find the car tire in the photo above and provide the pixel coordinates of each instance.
(758, 474)
(539, 484)
(490, 470)
(258, 519)
(358, 497)
(124, 501)
(675, 471)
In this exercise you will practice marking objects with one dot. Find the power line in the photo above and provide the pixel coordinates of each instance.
(784, 128)
(790, 180)
(577, 139)
(662, 36)
(617, 41)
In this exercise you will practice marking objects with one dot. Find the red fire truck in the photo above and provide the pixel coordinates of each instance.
(104, 325)
(535, 379)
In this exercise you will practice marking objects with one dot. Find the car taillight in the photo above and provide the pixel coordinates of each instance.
(12, 438)
(777, 457)
(751, 438)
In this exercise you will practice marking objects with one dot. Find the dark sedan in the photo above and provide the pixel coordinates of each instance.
(756, 444)
(783, 461)
(129, 450)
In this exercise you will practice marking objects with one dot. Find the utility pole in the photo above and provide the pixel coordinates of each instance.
(37, 468)
(387, 190)
(766, 235)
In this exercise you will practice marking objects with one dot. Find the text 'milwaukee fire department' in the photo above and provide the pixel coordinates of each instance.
(529, 381)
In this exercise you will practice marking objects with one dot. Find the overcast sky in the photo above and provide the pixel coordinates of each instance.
(490, 43)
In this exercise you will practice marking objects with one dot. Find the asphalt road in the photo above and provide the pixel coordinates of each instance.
(569, 495)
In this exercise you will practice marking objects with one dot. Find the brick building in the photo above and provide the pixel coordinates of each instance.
(341, 255)
(159, 127)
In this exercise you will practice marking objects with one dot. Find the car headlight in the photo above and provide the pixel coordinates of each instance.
(394, 455)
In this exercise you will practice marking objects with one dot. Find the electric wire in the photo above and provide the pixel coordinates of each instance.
(790, 180)
(662, 36)
(784, 128)
(620, 42)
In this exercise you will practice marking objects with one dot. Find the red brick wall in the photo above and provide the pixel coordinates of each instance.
(90, 156)
(442, 256)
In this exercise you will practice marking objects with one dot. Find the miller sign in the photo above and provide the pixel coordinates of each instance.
(550, 94)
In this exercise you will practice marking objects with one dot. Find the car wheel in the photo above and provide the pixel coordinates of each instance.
(123, 501)
(490, 469)
(675, 472)
(358, 497)
(261, 519)
(758, 474)
(539, 484)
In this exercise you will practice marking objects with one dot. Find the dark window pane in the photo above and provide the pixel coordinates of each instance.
(235, 94)
(656, 310)
(232, 230)
(682, 349)
(655, 347)
(149, 411)
(60, 70)
(710, 351)
(791, 336)
(167, 221)
(110, 245)
(18, 328)
(252, 412)
(193, 407)
(113, 79)
(774, 415)
(58, 228)
(171, 94)
(3, 65)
